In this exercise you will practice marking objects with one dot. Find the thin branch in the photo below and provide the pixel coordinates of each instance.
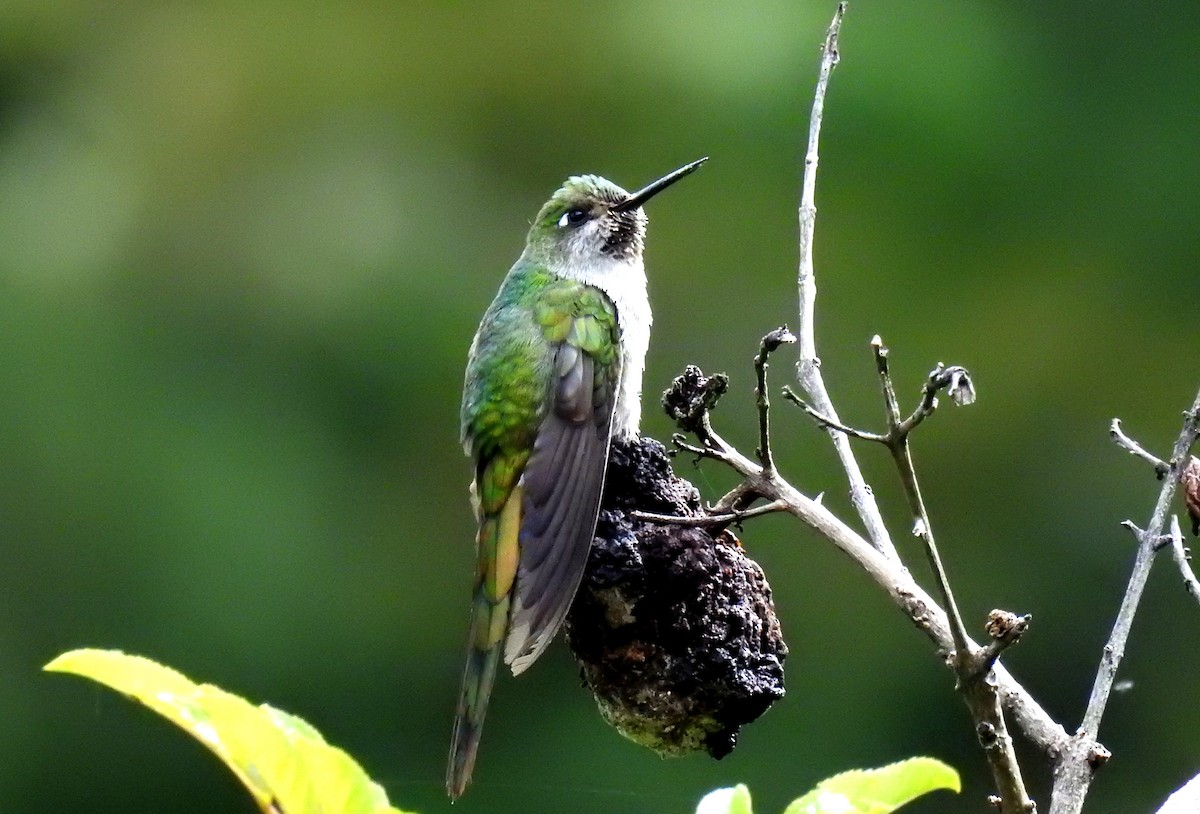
(808, 368)
(808, 196)
(1115, 648)
(982, 697)
(707, 520)
(1182, 560)
(897, 443)
(972, 664)
(714, 447)
(827, 423)
(1137, 450)
(770, 343)
(1073, 775)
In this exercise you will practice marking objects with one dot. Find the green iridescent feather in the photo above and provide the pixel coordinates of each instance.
(541, 383)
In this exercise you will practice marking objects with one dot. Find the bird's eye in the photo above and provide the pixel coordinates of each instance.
(573, 217)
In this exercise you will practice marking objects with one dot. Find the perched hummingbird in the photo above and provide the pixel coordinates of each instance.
(554, 372)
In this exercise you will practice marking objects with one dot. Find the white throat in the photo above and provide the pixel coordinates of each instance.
(624, 281)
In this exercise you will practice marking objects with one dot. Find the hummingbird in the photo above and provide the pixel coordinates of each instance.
(553, 374)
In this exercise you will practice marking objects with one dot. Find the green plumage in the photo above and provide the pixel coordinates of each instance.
(552, 376)
(546, 356)
(508, 383)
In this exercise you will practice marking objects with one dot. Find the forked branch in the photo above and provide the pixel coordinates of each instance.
(1073, 775)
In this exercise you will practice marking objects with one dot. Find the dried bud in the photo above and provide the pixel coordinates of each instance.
(1189, 478)
(692, 396)
(1007, 626)
(1098, 756)
(962, 390)
(674, 631)
(957, 382)
(777, 337)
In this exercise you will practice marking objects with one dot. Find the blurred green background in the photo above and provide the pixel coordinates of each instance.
(243, 249)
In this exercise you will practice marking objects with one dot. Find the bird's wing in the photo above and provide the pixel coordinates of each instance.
(537, 415)
(564, 477)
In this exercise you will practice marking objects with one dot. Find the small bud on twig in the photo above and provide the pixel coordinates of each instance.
(1007, 626)
(957, 381)
(777, 337)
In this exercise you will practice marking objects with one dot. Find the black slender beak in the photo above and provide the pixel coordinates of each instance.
(649, 191)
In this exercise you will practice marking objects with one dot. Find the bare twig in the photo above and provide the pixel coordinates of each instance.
(770, 343)
(895, 579)
(1073, 775)
(706, 520)
(1183, 560)
(972, 664)
(827, 423)
(986, 685)
(896, 440)
(1136, 449)
(714, 447)
(808, 368)
(1115, 648)
(981, 697)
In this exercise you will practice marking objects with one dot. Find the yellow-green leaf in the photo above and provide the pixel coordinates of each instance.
(877, 791)
(733, 800)
(283, 761)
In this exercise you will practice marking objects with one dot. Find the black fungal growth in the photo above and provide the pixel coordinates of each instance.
(674, 630)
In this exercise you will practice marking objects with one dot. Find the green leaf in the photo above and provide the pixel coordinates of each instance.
(733, 800)
(877, 791)
(283, 761)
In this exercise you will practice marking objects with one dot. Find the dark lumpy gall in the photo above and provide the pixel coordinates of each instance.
(692, 396)
(674, 629)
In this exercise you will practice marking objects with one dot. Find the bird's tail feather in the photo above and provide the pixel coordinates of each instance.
(478, 678)
(497, 553)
